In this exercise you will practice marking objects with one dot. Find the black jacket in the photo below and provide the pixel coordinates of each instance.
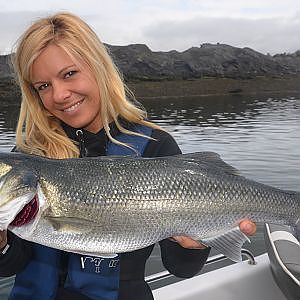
(177, 260)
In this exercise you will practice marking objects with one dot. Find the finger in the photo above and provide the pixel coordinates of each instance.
(188, 243)
(248, 227)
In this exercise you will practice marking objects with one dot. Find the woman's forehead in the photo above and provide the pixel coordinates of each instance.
(54, 58)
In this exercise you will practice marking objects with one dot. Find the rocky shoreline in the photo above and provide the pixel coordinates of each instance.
(138, 62)
(211, 69)
(215, 86)
(196, 87)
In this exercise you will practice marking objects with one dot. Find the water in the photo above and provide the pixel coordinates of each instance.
(258, 135)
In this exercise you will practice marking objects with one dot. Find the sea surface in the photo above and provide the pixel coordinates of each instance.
(257, 134)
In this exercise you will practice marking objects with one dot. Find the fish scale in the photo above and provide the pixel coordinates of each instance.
(109, 205)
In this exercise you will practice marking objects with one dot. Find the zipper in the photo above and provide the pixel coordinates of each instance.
(82, 149)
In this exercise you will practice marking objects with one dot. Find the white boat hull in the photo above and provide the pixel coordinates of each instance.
(240, 281)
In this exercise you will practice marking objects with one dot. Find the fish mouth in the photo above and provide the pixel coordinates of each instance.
(27, 214)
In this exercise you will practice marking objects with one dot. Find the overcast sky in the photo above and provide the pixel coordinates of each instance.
(268, 26)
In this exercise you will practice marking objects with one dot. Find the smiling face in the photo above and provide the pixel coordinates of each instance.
(68, 91)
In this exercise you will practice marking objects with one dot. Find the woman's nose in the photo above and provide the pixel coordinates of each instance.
(60, 92)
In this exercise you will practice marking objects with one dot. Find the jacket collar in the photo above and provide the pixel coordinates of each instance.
(93, 144)
(72, 132)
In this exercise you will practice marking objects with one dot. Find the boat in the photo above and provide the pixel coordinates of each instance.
(273, 275)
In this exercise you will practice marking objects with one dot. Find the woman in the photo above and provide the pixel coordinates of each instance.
(74, 105)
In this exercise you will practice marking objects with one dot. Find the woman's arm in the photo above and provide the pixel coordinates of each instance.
(16, 255)
(182, 262)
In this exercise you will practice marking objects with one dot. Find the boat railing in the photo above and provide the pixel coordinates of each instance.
(211, 260)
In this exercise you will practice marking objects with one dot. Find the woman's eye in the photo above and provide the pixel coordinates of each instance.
(42, 86)
(69, 74)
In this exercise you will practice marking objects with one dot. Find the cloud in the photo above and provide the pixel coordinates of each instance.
(267, 26)
(12, 25)
(273, 35)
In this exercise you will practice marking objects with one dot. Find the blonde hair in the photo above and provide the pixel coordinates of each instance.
(82, 44)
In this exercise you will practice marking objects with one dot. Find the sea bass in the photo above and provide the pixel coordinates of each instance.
(110, 205)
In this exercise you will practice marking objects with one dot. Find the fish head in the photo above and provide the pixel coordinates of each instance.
(18, 195)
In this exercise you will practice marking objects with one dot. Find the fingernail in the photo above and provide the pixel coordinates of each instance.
(248, 227)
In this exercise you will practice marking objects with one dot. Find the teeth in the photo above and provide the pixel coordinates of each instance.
(72, 107)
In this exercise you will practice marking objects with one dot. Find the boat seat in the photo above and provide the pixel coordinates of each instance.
(284, 253)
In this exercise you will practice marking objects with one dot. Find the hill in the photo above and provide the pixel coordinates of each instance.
(138, 63)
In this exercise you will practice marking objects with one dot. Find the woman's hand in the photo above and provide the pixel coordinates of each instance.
(246, 226)
(3, 239)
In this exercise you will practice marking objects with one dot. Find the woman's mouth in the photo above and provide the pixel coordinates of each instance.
(27, 214)
(73, 107)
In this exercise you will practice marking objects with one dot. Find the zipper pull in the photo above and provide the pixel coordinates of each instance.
(82, 149)
(82, 260)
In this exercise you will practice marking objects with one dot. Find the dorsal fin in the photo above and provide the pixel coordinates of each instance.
(210, 158)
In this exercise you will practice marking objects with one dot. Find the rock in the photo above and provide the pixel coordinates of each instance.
(291, 61)
(138, 62)
(9, 88)
(209, 60)
(5, 66)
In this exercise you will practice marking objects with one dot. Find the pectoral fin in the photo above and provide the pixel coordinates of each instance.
(228, 243)
(70, 225)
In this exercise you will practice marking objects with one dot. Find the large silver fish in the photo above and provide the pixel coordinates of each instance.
(110, 205)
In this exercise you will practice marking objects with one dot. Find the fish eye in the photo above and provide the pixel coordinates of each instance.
(4, 169)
